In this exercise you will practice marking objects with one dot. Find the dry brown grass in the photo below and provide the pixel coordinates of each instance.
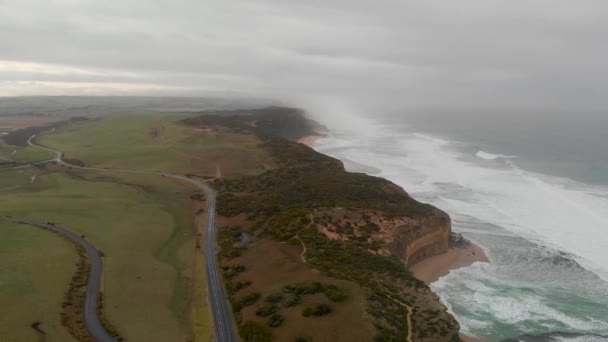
(272, 265)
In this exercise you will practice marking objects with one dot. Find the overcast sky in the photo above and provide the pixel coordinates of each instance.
(416, 53)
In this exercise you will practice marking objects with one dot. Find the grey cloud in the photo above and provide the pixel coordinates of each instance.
(374, 54)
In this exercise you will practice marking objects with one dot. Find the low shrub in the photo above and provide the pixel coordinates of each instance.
(293, 300)
(254, 332)
(274, 298)
(247, 300)
(266, 310)
(275, 321)
(317, 310)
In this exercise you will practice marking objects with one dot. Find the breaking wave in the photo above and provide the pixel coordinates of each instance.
(546, 236)
(491, 156)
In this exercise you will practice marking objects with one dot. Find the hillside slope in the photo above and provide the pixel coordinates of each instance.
(350, 227)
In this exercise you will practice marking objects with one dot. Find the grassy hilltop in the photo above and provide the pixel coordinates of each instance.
(304, 245)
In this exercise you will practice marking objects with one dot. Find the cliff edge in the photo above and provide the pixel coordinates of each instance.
(352, 227)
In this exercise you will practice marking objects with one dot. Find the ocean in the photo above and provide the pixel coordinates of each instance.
(530, 189)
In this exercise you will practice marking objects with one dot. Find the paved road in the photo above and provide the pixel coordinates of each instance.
(221, 310)
(91, 318)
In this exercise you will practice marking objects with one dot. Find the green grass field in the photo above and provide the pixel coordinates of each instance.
(154, 282)
(15, 178)
(36, 267)
(22, 154)
(31, 154)
(144, 228)
(159, 143)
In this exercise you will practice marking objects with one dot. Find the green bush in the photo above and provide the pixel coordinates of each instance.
(307, 312)
(293, 300)
(317, 310)
(302, 339)
(334, 294)
(275, 321)
(274, 298)
(232, 271)
(247, 300)
(254, 332)
(266, 310)
(233, 287)
(304, 288)
(305, 185)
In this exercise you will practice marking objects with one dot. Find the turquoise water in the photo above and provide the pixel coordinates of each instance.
(532, 193)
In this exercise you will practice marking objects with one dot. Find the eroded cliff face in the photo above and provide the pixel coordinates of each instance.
(351, 226)
(409, 239)
(422, 238)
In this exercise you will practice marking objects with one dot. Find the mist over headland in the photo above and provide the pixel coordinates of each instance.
(368, 56)
(494, 111)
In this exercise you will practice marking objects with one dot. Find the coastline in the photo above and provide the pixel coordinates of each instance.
(431, 269)
(310, 140)
(461, 252)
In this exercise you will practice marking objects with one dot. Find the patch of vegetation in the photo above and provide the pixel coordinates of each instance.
(247, 300)
(254, 332)
(227, 237)
(289, 123)
(317, 310)
(160, 142)
(334, 294)
(293, 300)
(274, 298)
(321, 182)
(275, 321)
(302, 339)
(267, 310)
(304, 288)
(232, 271)
(116, 216)
(110, 328)
(27, 272)
(197, 197)
(74, 302)
(21, 136)
(234, 287)
(75, 162)
(295, 199)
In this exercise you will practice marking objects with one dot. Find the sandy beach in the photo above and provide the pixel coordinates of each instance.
(466, 338)
(431, 269)
(310, 140)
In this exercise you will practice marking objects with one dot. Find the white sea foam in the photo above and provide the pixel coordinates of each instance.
(542, 208)
(555, 214)
(491, 156)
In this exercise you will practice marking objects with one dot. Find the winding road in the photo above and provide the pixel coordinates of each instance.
(91, 317)
(225, 330)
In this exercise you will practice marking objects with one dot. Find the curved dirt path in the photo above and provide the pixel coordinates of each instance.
(225, 330)
(409, 323)
(303, 254)
(91, 317)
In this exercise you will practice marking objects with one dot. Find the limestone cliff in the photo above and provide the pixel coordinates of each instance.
(352, 227)
(422, 238)
(409, 239)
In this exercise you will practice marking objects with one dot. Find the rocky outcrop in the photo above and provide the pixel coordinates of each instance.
(411, 239)
(422, 238)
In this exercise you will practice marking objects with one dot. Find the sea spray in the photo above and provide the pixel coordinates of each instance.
(545, 235)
